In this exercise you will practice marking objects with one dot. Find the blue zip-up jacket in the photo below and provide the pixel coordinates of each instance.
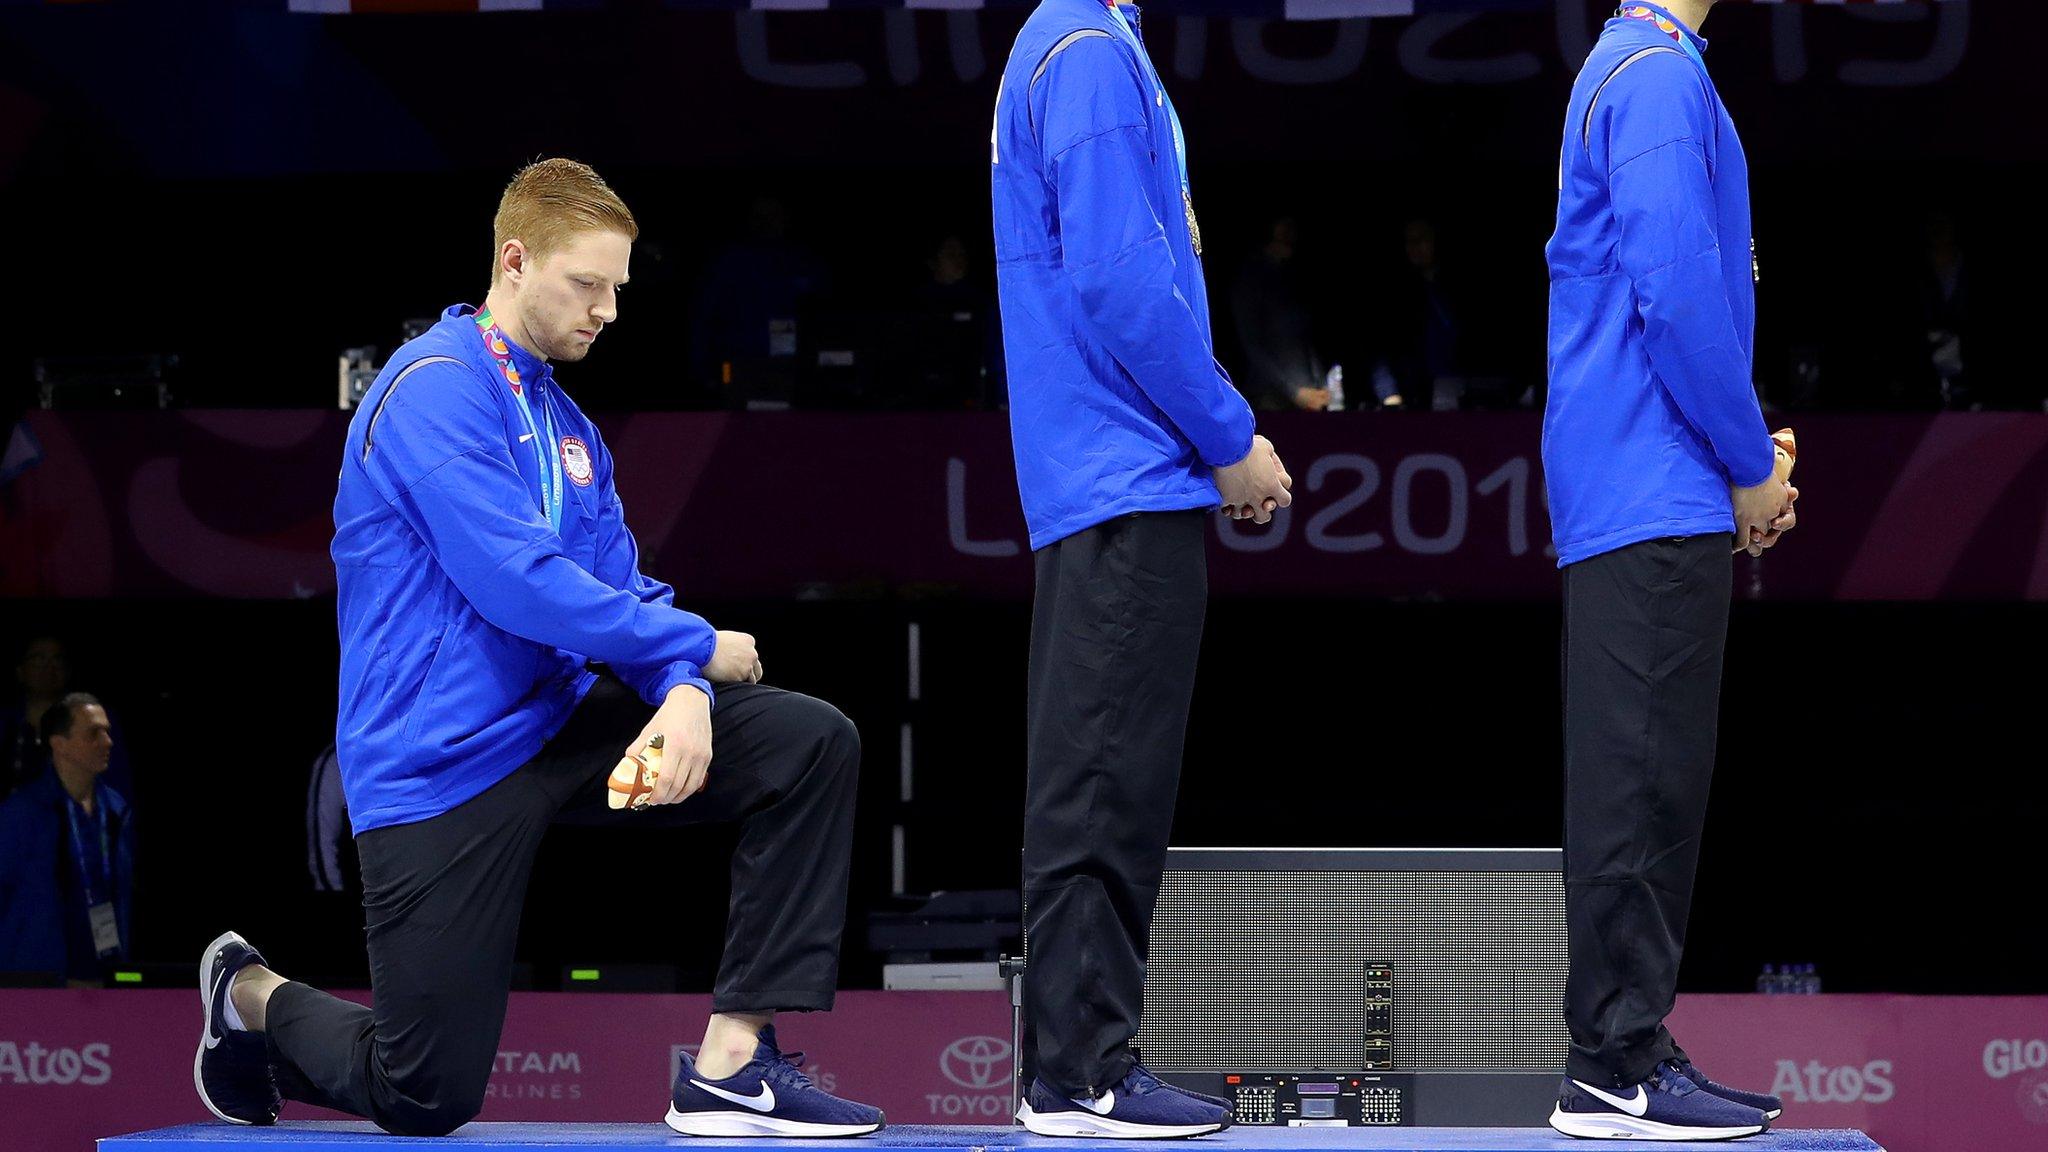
(466, 618)
(1651, 413)
(37, 868)
(1117, 404)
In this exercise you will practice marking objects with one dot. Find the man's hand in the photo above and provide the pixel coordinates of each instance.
(684, 724)
(1312, 399)
(734, 660)
(1762, 514)
(1256, 486)
(1779, 527)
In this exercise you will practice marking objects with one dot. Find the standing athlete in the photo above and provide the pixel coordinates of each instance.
(1128, 437)
(1655, 452)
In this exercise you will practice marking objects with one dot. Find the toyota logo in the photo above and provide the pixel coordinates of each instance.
(977, 1062)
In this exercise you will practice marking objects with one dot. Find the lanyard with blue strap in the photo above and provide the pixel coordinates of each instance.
(1130, 36)
(546, 453)
(99, 913)
(1692, 50)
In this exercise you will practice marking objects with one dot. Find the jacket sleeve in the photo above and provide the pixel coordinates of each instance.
(442, 458)
(1657, 121)
(1095, 135)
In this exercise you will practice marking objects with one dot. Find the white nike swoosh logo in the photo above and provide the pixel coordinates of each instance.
(1102, 1105)
(212, 1040)
(763, 1101)
(1635, 1107)
(525, 438)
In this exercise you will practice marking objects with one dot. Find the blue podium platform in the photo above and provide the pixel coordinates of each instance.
(360, 1137)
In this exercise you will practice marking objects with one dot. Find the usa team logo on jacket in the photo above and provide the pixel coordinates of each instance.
(576, 460)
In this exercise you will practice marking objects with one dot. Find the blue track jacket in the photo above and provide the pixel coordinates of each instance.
(466, 618)
(1117, 404)
(1651, 412)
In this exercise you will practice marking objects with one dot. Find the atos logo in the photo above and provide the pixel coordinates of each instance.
(1816, 1083)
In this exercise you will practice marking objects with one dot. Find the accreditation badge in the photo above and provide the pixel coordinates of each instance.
(106, 931)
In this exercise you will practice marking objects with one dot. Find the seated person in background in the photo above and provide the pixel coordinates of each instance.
(1281, 369)
(954, 337)
(1419, 322)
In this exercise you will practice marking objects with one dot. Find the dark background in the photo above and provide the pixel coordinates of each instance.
(1877, 809)
(252, 191)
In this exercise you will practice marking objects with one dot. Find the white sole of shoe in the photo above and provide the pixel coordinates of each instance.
(1087, 1124)
(206, 1022)
(753, 1124)
(1615, 1126)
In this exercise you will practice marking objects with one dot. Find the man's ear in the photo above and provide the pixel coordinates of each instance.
(514, 260)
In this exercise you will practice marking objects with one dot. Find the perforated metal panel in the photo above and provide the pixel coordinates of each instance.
(1265, 969)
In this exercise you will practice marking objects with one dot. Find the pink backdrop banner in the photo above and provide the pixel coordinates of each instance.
(80, 1064)
(771, 505)
(1920, 1074)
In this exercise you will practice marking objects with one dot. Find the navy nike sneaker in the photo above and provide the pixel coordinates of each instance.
(1769, 1105)
(1667, 1106)
(1139, 1107)
(769, 1096)
(232, 1067)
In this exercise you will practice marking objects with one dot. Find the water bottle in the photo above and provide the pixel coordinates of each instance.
(1334, 382)
(1767, 980)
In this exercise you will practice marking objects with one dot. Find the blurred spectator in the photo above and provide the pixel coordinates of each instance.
(744, 322)
(67, 854)
(1945, 316)
(1274, 329)
(954, 354)
(1420, 327)
(42, 674)
(330, 847)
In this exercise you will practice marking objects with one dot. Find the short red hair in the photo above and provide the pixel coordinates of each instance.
(550, 201)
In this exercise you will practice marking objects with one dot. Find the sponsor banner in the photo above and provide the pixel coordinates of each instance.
(766, 506)
(79, 1064)
(1919, 1074)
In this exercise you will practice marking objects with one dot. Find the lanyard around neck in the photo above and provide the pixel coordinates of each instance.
(89, 830)
(1666, 25)
(1180, 143)
(546, 453)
